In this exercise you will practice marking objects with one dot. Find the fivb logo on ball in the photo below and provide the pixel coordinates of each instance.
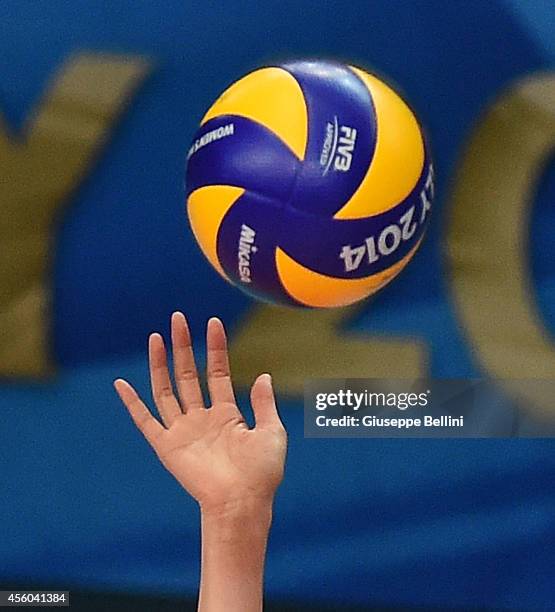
(338, 148)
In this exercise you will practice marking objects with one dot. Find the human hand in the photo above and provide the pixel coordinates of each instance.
(210, 451)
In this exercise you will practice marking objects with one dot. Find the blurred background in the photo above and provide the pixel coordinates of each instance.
(99, 101)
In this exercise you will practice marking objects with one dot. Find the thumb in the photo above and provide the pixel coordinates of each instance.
(263, 403)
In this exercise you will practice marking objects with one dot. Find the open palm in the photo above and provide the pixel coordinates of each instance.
(210, 451)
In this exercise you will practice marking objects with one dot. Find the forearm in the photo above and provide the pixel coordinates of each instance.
(234, 539)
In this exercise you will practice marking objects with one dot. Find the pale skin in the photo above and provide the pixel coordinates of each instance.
(231, 470)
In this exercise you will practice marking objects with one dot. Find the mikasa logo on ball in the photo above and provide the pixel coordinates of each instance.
(246, 249)
(221, 132)
(338, 147)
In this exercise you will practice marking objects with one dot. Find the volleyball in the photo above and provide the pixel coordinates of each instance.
(309, 183)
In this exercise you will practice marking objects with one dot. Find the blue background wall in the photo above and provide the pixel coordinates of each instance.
(84, 502)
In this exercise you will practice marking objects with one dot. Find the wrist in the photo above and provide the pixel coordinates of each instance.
(246, 511)
(234, 539)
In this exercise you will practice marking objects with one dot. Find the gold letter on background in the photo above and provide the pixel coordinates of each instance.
(37, 178)
(298, 344)
(489, 234)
